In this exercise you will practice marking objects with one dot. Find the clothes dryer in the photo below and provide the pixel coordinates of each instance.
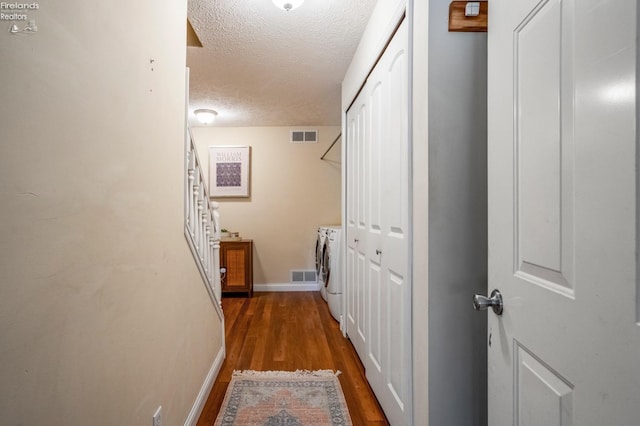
(332, 267)
(320, 247)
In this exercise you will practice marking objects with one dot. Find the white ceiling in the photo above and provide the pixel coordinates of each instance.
(262, 66)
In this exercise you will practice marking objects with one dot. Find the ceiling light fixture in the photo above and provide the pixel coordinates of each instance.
(288, 4)
(205, 116)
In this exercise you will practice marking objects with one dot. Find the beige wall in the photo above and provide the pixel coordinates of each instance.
(103, 315)
(292, 193)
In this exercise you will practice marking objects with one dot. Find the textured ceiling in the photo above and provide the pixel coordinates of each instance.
(262, 66)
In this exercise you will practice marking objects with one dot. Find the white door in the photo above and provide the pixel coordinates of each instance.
(357, 290)
(563, 213)
(389, 369)
(378, 284)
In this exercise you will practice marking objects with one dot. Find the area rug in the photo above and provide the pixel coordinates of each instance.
(279, 398)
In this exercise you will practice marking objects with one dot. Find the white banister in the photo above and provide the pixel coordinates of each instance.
(201, 224)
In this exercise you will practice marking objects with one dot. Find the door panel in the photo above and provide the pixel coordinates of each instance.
(376, 91)
(375, 157)
(396, 152)
(376, 338)
(350, 289)
(362, 305)
(362, 170)
(396, 375)
(544, 146)
(542, 396)
(562, 213)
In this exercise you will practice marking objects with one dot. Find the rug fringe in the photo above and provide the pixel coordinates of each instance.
(297, 373)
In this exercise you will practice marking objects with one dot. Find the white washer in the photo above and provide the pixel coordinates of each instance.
(332, 267)
(320, 245)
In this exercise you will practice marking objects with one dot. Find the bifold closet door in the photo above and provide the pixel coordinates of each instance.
(379, 293)
(357, 290)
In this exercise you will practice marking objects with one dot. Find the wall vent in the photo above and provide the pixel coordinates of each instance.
(302, 276)
(304, 136)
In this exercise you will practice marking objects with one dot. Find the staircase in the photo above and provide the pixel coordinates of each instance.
(201, 224)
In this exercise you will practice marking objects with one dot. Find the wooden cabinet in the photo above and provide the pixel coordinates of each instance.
(237, 259)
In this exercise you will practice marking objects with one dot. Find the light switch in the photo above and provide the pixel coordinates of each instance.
(472, 8)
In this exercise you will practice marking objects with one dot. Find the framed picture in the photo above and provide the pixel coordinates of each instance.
(229, 171)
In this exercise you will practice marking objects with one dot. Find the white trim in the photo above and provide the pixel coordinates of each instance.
(205, 390)
(286, 287)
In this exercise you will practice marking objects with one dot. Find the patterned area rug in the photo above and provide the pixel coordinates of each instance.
(284, 398)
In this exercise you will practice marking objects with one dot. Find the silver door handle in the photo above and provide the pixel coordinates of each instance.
(481, 303)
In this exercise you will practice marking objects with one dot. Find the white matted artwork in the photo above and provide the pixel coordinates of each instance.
(229, 171)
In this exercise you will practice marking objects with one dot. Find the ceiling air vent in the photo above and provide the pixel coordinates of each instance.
(304, 136)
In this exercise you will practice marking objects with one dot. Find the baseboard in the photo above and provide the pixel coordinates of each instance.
(201, 400)
(286, 287)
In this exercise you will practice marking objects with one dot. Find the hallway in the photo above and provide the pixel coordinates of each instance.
(289, 331)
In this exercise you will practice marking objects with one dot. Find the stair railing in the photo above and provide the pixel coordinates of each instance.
(201, 224)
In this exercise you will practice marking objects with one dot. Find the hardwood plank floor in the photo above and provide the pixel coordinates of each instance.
(290, 331)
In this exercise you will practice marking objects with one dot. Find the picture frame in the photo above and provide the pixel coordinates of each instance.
(229, 171)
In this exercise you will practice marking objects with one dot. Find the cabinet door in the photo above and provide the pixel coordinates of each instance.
(236, 258)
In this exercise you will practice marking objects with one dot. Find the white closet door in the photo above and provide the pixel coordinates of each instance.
(376, 94)
(356, 288)
(378, 290)
(390, 334)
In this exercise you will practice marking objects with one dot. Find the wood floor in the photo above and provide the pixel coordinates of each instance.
(290, 331)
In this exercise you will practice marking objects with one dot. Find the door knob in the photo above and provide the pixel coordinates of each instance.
(481, 303)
